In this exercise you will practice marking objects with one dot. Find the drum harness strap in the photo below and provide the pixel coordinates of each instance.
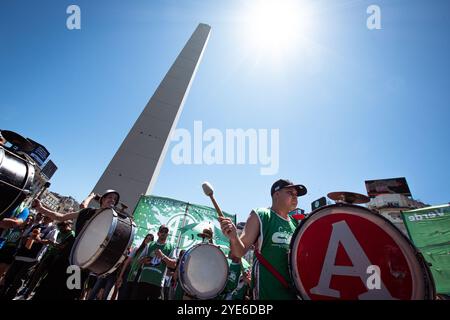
(272, 270)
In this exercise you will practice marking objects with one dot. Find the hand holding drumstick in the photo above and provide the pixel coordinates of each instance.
(227, 226)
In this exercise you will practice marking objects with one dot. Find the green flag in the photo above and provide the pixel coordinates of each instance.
(429, 229)
(185, 221)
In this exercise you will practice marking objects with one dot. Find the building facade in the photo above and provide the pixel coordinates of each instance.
(391, 206)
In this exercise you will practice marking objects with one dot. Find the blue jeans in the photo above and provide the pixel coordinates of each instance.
(103, 282)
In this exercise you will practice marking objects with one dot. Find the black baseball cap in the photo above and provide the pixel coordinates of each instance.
(284, 183)
(163, 227)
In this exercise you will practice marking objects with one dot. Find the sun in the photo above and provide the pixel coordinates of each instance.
(276, 27)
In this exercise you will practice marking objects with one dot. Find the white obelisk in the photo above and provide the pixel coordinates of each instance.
(135, 167)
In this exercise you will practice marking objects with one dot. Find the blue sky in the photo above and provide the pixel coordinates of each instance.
(351, 104)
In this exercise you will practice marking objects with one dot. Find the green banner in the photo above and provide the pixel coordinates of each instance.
(429, 229)
(185, 221)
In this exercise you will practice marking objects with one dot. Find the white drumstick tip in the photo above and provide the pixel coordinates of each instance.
(207, 188)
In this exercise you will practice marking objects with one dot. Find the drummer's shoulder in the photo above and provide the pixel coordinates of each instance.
(253, 220)
(256, 212)
(260, 214)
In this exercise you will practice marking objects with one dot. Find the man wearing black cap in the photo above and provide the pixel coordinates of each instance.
(270, 230)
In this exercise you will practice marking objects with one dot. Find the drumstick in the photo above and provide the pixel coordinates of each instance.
(209, 191)
(38, 196)
(46, 185)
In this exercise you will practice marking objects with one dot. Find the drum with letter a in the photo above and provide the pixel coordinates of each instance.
(102, 244)
(348, 252)
(203, 271)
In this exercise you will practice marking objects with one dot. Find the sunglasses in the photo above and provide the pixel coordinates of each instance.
(164, 231)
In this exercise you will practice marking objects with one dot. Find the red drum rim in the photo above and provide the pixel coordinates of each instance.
(422, 281)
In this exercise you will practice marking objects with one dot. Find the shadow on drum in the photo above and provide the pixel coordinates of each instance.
(16, 178)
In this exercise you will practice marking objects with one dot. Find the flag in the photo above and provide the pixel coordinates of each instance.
(184, 220)
(429, 229)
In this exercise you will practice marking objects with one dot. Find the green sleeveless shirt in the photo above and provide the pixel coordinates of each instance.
(274, 239)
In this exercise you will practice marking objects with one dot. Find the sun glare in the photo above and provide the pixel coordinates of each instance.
(276, 27)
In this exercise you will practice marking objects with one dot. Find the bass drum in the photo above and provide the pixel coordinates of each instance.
(203, 271)
(102, 244)
(16, 178)
(348, 252)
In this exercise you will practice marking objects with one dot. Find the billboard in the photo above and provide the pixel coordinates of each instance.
(39, 153)
(429, 230)
(184, 220)
(387, 186)
(49, 169)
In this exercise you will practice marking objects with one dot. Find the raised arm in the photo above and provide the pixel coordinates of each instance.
(86, 201)
(240, 245)
(56, 216)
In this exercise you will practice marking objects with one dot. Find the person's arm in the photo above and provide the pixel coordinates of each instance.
(44, 241)
(122, 271)
(171, 263)
(86, 201)
(50, 239)
(9, 223)
(240, 245)
(56, 216)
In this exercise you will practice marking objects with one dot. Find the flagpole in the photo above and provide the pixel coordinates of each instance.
(183, 225)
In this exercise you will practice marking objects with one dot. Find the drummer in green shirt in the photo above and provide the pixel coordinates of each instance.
(270, 230)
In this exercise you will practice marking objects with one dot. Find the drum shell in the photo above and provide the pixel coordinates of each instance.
(16, 178)
(429, 292)
(112, 251)
(182, 275)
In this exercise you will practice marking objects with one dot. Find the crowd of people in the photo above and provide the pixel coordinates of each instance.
(35, 246)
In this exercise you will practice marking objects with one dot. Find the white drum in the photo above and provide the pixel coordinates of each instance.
(102, 244)
(203, 271)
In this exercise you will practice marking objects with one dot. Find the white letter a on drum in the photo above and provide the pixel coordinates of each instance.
(341, 233)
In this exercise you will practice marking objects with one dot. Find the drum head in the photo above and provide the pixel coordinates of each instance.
(347, 252)
(93, 235)
(204, 271)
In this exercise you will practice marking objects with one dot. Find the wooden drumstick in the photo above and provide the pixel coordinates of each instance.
(38, 196)
(46, 186)
(209, 191)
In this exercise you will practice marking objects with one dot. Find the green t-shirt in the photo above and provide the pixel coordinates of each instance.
(233, 276)
(234, 272)
(135, 265)
(178, 291)
(275, 237)
(239, 292)
(154, 272)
